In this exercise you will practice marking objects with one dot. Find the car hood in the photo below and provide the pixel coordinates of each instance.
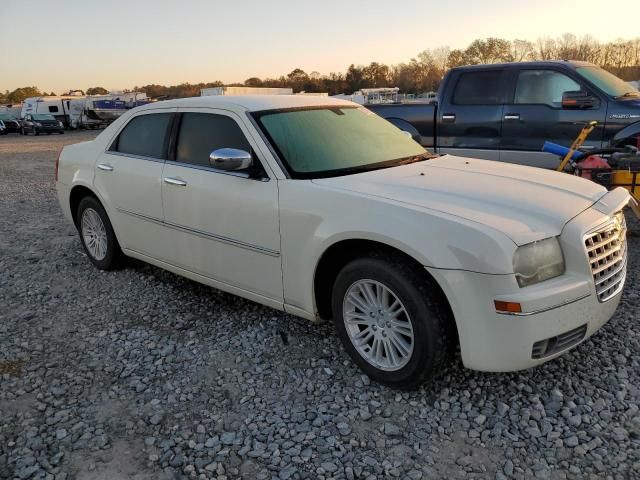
(525, 203)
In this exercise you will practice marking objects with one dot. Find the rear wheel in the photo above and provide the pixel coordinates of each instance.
(97, 236)
(391, 320)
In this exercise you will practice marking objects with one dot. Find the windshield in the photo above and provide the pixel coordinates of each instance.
(42, 116)
(6, 116)
(326, 141)
(607, 82)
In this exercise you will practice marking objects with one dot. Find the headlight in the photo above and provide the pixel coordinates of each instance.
(60, 123)
(538, 261)
(37, 124)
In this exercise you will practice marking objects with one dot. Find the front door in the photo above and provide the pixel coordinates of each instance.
(223, 225)
(535, 115)
(470, 118)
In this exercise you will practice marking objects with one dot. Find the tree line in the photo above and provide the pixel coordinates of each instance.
(422, 73)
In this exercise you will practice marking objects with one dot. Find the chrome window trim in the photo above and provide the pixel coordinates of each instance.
(137, 157)
(216, 170)
(207, 235)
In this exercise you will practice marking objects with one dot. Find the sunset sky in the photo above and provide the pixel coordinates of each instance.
(62, 44)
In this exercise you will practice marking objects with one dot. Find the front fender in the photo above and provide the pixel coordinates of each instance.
(313, 218)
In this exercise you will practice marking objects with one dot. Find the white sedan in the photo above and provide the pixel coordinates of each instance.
(317, 207)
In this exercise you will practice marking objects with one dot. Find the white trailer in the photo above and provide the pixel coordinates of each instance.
(207, 92)
(84, 111)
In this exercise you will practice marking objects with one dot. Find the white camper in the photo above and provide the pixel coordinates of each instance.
(207, 92)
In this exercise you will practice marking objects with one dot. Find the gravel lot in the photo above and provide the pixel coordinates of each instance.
(142, 374)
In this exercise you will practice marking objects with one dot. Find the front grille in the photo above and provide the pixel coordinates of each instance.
(552, 345)
(607, 252)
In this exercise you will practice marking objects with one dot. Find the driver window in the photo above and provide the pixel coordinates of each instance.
(202, 133)
(543, 87)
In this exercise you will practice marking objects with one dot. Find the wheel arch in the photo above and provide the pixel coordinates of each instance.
(337, 255)
(629, 132)
(77, 193)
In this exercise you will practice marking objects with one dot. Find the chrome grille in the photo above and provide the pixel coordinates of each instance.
(607, 252)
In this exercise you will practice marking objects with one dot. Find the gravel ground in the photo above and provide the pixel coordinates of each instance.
(142, 374)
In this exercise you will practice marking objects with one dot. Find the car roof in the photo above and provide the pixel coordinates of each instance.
(572, 64)
(251, 103)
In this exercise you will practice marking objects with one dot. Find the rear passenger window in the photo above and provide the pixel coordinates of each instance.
(53, 109)
(145, 135)
(202, 133)
(479, 88)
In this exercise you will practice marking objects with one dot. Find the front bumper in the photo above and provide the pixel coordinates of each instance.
(556, 315)
(500, 342)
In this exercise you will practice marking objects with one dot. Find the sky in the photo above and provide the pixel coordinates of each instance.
(59, 45)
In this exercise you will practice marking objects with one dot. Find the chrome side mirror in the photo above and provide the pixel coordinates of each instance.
(230, 159)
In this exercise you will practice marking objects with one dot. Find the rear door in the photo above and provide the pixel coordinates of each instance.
(128, 177)
(470, 113)
(534, 114)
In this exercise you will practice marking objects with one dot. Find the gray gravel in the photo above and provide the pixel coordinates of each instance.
(142, 374)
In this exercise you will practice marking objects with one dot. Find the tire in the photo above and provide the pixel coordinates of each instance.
(90, 219)
(36, 132)
(424, 309)
(61, 132)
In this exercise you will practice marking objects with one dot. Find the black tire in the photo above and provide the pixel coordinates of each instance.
(427, 311)
(36, 132)
(113, 258)
(61, 132)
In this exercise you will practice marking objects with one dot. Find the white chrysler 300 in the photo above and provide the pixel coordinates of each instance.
(319, 208)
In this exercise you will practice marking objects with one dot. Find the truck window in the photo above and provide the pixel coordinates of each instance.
(53, 109)
(479, 88)
(543, 87)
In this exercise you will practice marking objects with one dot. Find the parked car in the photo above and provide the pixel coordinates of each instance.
(506, 112)
(318, 207)
(38, 123)
(11, 124)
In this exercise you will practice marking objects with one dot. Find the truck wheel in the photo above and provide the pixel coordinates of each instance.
(391, 320)
(97, 236)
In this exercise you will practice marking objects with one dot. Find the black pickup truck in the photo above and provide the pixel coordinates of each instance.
(506, 111)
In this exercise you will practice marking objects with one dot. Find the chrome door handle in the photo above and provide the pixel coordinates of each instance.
(106, 167)
(175, 181)
(449, 117)
(512, 116)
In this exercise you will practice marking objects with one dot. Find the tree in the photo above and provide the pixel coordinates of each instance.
(97, 91)
(20, 94)
(354, 78)
(522, 50)
(253, 82)
(457, 58)
(490, 50)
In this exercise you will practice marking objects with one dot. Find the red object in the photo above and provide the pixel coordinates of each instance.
(593, 162)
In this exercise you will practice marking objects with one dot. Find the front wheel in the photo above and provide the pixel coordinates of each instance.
(97, 236)
(391, 320)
